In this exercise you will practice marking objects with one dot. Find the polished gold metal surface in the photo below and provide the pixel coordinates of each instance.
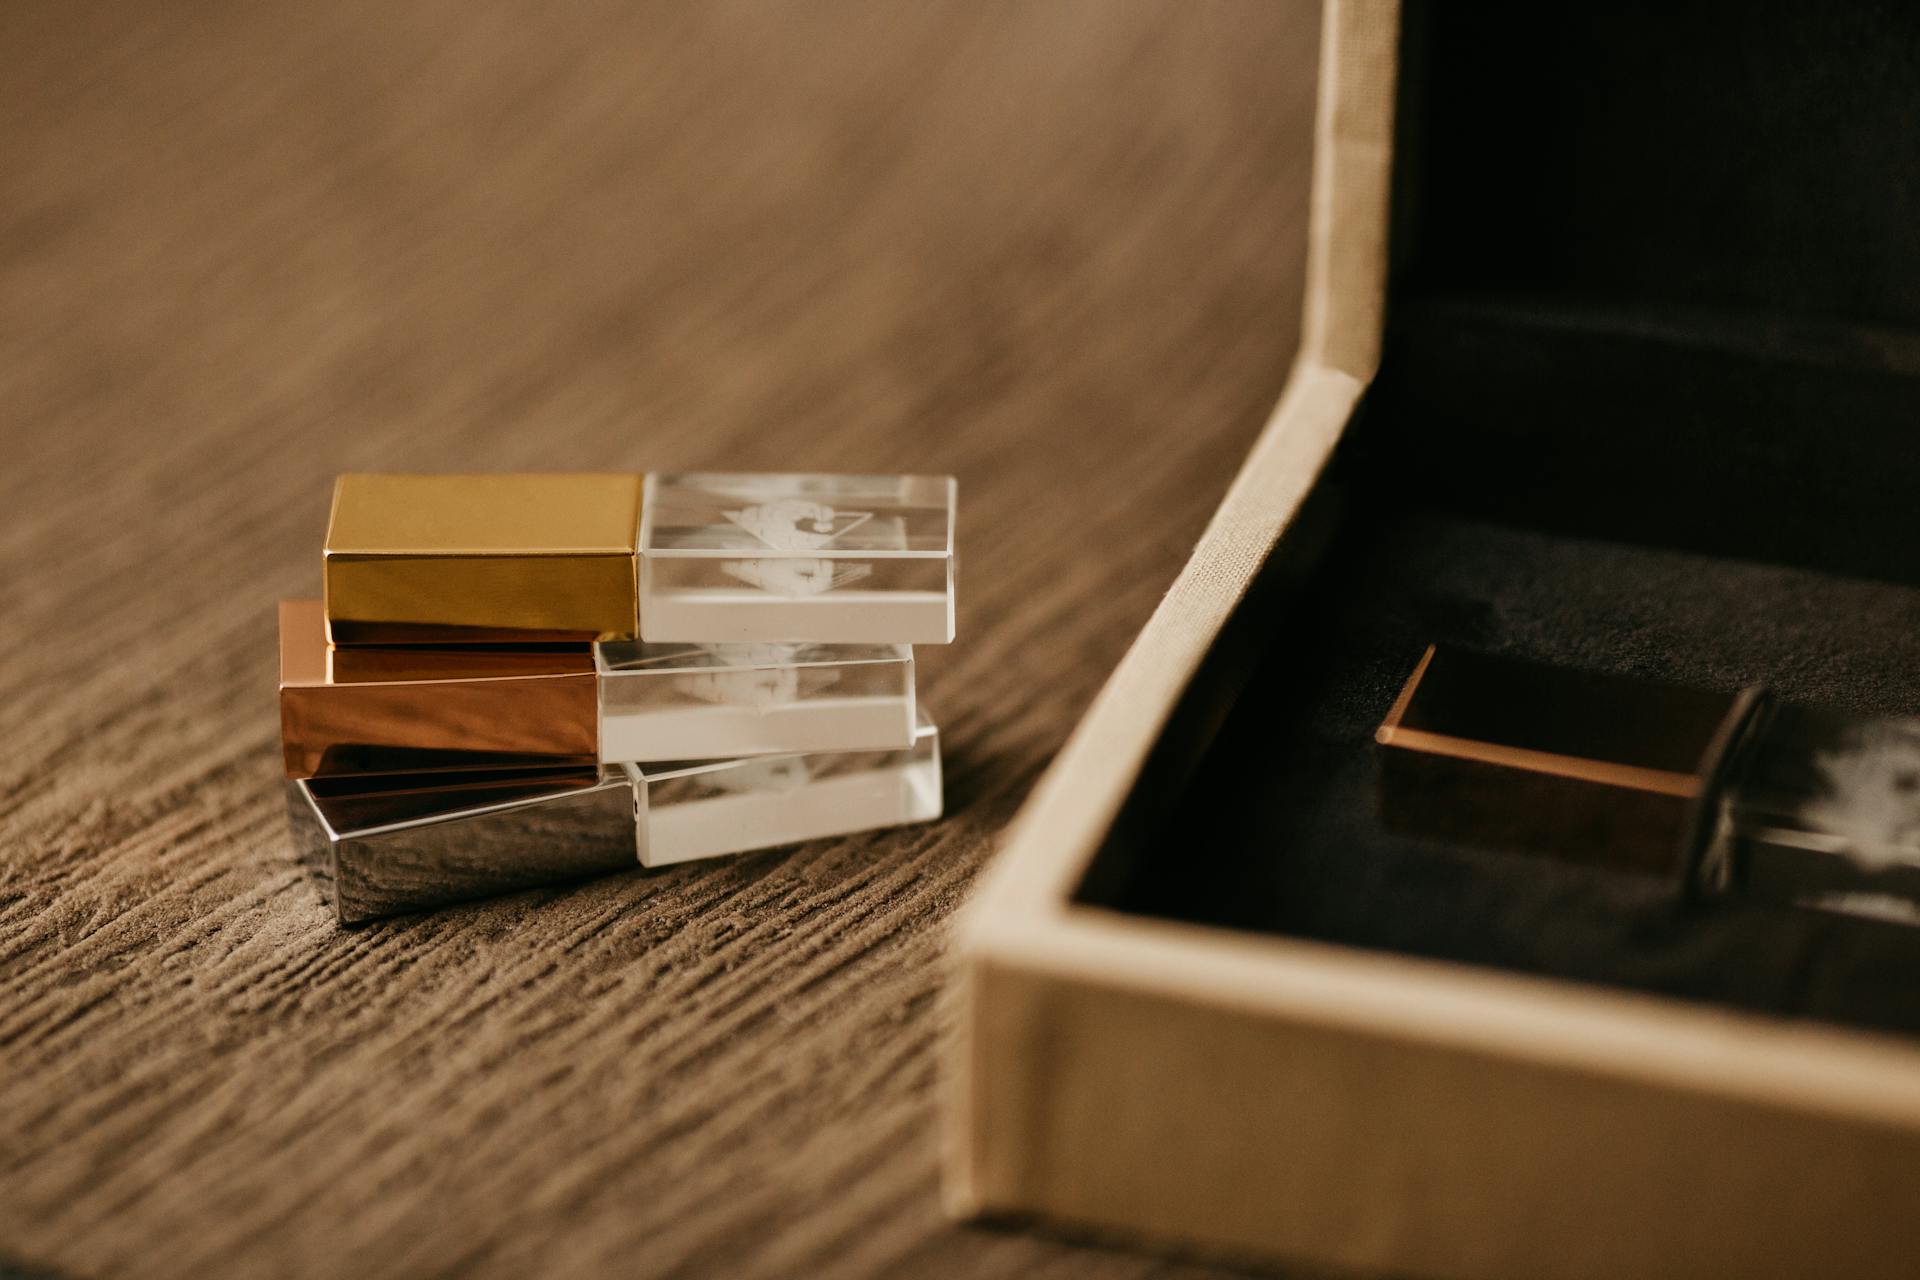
(482, 558)
(359, 710)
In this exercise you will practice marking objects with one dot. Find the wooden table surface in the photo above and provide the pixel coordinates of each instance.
(1053, 248)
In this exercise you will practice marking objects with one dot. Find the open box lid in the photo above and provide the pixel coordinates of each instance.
(1071, 985)
(1053, 840)
(1655, 275)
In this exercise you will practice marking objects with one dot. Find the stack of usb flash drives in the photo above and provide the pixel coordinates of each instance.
(516, 680)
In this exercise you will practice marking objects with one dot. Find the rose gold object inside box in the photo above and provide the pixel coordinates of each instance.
(346, 710)
(1522, 757)
(1257, 1087)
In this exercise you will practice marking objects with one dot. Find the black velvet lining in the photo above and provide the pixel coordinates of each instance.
(1774, 440)
(1280, 829)
(1662, 256)
(1761, 156)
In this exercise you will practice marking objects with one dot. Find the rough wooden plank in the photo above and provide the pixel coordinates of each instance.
(1053, 248)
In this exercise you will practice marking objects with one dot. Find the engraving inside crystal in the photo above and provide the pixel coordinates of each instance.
(775, 773)
(1870, 798)
(794, 524)
(765, 677)
(795, 577)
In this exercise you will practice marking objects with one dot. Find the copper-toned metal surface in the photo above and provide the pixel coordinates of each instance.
(360, 663)
(1513, 755)
(482, 558)
(375, 710)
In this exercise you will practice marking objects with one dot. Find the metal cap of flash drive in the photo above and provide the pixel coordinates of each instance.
(482, 559)
(1527, 758)
(417, 708)
(381, 845)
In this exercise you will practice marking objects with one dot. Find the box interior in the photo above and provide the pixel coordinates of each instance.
(1649, 404)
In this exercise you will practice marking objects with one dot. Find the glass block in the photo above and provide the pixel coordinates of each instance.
(394, 843)
(825, 558)
(721, 701)
(711, 808)
(1820, 809)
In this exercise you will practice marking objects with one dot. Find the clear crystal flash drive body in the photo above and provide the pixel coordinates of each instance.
(1730, 794)
(714, 701)
(830, 558)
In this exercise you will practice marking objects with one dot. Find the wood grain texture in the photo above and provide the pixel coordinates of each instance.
(1054, 248)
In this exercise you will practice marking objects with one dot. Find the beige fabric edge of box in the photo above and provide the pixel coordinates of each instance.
(1294, 1100)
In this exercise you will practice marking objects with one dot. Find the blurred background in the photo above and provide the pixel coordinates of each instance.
(1053, 248)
